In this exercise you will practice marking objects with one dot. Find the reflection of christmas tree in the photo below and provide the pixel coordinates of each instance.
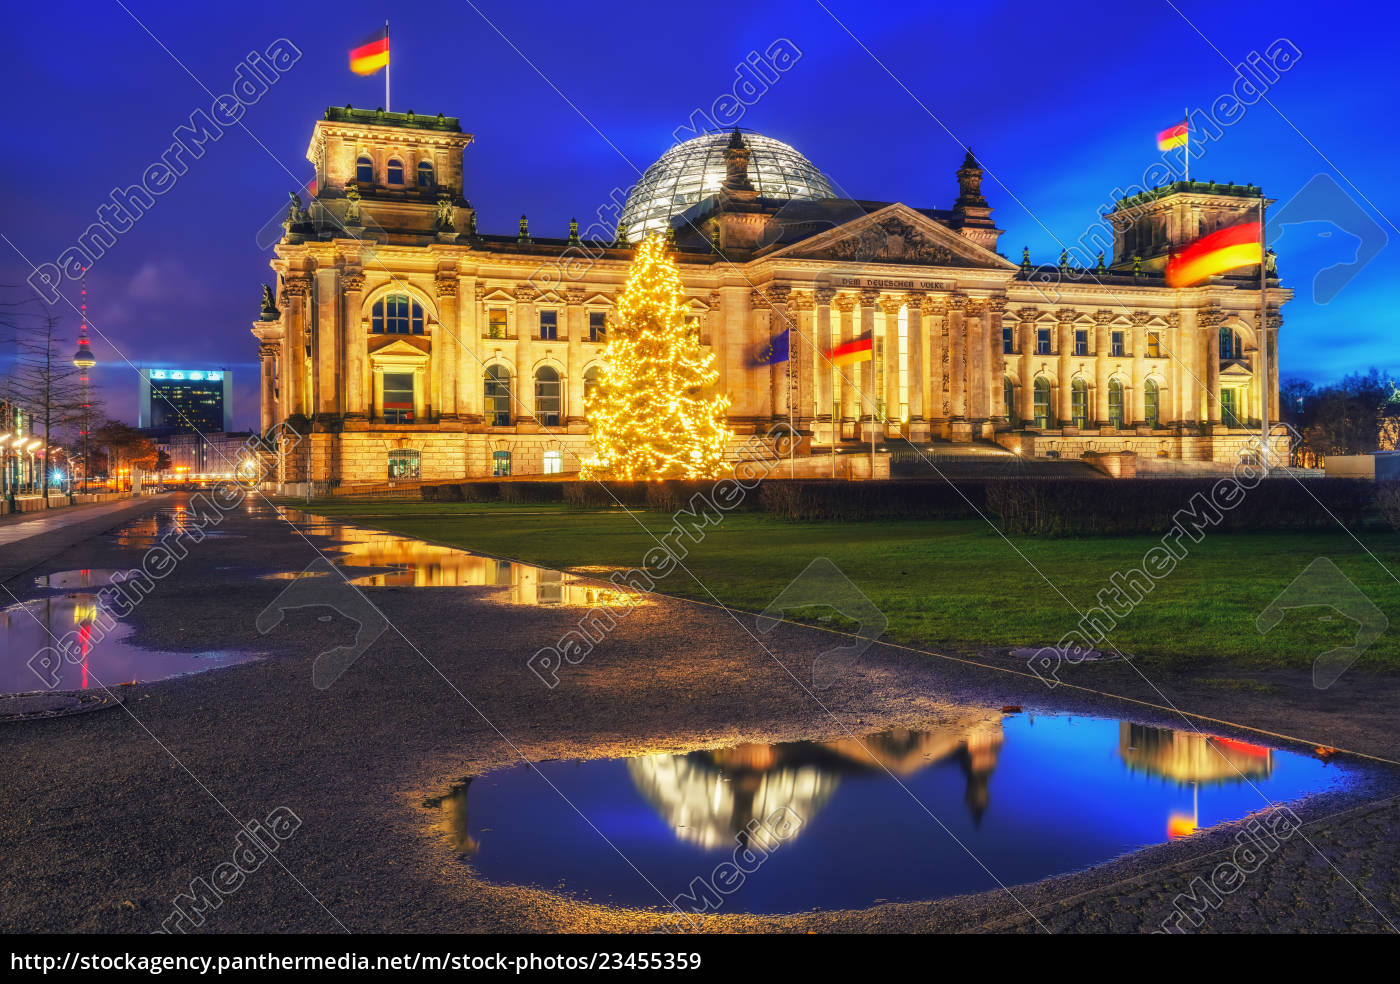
(652, 414)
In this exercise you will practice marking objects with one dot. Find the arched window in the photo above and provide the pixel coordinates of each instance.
(1042, 403)
(547, 396)
(396, 314)
(553, 462)
(1008, 395)
(591, 377)
(1079, 403)
(500, 464)
(405, 464)
(497, 394)
(425, 174)
(1231, 346)
(1150, 403)
(1115, 403)
(364, 171)
(395, 171)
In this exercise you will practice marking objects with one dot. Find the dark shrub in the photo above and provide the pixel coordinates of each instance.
(850, 501)
(1068, 507)
(478, 491)
(1388, 501)
(428, 492)
(448, 493)
(532, 491)
(591, 494)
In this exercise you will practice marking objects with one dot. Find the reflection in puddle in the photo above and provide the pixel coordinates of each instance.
(1029, 797)
(80, 645)
(176, 522)
(414, 563)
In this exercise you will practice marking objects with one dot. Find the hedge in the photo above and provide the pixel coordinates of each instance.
(1067, 507)
(850, 501)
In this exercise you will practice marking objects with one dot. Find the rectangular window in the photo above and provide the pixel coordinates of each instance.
(496, 323)
(549, 325)
(1154, 344)
(1116, 344)
(405, 464)
(1008, 339)
(1042, 341)
(1081, 341)
(597, 326)
(398, 397)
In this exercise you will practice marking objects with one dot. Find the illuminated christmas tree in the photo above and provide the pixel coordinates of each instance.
(653, 414)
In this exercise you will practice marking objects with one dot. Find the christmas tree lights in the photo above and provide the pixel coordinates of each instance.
(653, 414)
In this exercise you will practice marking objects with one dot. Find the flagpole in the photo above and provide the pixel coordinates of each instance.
(1263, 337)
(386, 65)
(1186, 159)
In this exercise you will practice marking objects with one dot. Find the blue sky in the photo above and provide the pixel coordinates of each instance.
(567, 102)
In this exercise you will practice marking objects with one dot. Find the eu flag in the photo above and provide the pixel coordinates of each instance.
(775, 351)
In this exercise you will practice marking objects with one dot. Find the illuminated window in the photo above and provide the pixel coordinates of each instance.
(903, 356)
(1116, 346)
(500, 464)
(425, 174)
(395, 171)
(496, 323)
(405, 464)
(1149, 403)
(398, 397)
(1042, 402)
(496, 383)
(397, 314)
(549, 325)
(547, 396)
(590, 381)
(553, 462)
(364, 171)
(1008, 339)
(1231, 345)
(1008, 395)
(1230, 408)
(597, 326)
(1115, 403)
(1079, 403)
(1042, 341)
(1081, 341)
(1154, 344)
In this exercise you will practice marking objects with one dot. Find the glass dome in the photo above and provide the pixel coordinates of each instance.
(694, 170)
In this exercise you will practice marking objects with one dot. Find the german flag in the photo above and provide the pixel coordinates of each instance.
(1228, 249)
(1174, 136)
(849, 353)
(372, 54)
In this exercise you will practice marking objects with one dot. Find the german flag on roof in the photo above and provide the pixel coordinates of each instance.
(372, 54)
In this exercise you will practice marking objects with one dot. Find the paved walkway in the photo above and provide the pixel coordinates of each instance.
(27, 539)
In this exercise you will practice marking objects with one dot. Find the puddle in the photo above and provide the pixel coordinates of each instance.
(83, 647)
(832, 827)
(148, 530)
(376, 559)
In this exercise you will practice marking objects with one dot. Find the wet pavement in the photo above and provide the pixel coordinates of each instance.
(107, 817)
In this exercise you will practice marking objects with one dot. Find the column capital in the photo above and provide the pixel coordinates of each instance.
(869, 298)
(996, 305)
(353, 280)
(524, 293)
(957, 300)
(269, 350)
(1066, 316)
(845, 303)
(824, 295)
(1140, 318)
(446, 286)
(1103, 316)
(891, 303)
(296, 286)
(574, 295)
(1027, 314)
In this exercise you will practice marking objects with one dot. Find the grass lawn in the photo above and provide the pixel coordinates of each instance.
(957, 584)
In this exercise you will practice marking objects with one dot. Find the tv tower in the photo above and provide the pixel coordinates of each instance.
(84, 361)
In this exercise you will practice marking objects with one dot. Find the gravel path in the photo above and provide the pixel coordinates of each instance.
(107, 816)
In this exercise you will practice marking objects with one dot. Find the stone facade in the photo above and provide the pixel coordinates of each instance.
(397, 327)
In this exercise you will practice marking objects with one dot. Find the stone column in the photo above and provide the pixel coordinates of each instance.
(1169, 406)
(1026, 402)
(267, 359)
(1208, 321)
(326, 367)
(770, 319)
(804, 351)
(996, 312)
(1136, 411)
(1103, 336)
(526, 325)
(1185, 364)
(850, 406)
(575, 320)
(976, 361)
(957, 356)
(1064, 346)
(822, 343)
(936, 400)
(868, 396)
(353, 345)
(470, 356)
(918, 371)
(294, 294)
(445, 355)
